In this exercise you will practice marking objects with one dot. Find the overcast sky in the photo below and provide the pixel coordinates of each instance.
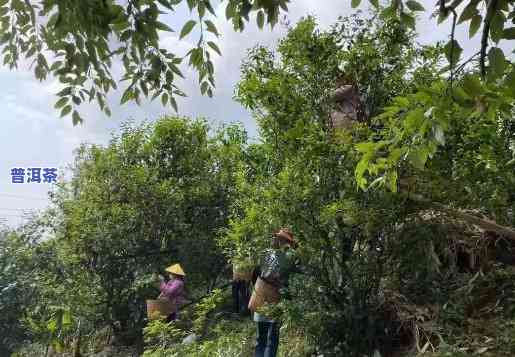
(33, 135)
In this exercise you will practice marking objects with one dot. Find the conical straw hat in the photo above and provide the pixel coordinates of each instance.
(175, 269)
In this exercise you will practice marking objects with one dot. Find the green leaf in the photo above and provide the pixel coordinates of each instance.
(472, 85)
(497, 61)
(166, 4)
(127, 95)
(65, 91)
(355, 3)
(52, 325)
(461, 96)
(414, 119)
(453, 51)
(66, 110)
(164, 99)
(375, 3)
(468, 12)
(173, 103)
(214, 47)
(204, 87)
(510, 82)
(245, 9)
(414, 6)
(475, 23)
(497, 26)
(201, 8)
(211, 27)
(76, 119)
(365, 147)
(191, 4)
(196, 57)
(209, 7)
(55, 65)
(177, 71)
(61, 102)
(418, 158)
(30, 52)
(163, 27)
(229, 10)
(442, 16)
(42, 61)
(509, 33)
(18, 5)
(408, 20)
(391, 181)
(186, 29)
(260, 19)
(144, 88)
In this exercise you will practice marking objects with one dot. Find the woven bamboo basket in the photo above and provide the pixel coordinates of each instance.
(264, 293)
(160, 309)
(241, 275)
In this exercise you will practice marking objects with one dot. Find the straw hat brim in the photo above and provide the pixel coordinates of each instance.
(176, 269)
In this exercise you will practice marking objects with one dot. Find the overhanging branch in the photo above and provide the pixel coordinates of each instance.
(486, 224)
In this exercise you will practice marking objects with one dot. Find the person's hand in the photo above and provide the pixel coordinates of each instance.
(159, 281)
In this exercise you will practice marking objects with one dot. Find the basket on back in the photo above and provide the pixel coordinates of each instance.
(242, 269)
(160, 309)
(241, 275)
(264, 293)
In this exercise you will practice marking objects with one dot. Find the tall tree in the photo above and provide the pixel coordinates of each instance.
(156, 195)
(82, 42)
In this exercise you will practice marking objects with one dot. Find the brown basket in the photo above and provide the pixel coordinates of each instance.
(160, 309)
(264, 293)
(241, 275)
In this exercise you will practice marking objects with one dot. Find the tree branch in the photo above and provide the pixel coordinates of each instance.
(484, 38)
(486, 224)
(452, 64)
(471, 58)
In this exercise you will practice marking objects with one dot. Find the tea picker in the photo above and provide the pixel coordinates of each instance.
(273, 278)
(171, 297)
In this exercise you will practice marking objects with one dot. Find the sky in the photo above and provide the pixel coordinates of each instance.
(33, 135)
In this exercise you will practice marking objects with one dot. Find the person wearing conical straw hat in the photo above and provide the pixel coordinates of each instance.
(274, 272)
(174, 288)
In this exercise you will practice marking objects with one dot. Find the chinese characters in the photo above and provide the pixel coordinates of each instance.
(34, 175)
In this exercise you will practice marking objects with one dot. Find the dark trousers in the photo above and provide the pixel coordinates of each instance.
(240, 296)
(171, 317)
(267, 339)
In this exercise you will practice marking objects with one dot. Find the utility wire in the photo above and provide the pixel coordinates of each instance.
(23, 197)
(13, 215)
(18, 209)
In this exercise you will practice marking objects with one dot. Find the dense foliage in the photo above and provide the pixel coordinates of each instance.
(389, 210)
(82, 43)
(155, 195)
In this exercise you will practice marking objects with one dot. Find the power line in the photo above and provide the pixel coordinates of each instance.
(23, 197)
(13, 215)
(18, 209)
